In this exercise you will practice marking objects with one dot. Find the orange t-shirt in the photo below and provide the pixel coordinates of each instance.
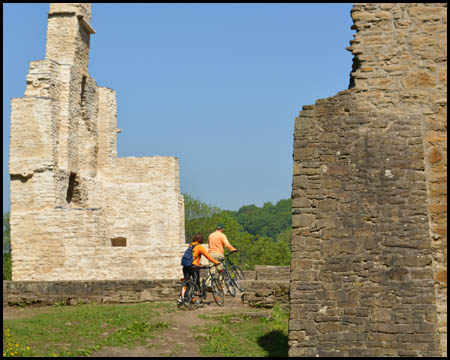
(198, 251)
(217, 240)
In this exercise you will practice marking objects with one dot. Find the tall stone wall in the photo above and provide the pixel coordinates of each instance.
(78, 212)
(368, 268)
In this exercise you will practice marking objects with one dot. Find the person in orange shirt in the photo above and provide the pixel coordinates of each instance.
(217, 241)
(194, 270)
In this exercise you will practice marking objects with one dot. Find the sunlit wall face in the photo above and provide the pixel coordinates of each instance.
(368, 250)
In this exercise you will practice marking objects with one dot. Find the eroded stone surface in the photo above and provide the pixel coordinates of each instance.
(71, 196)
(369, 254)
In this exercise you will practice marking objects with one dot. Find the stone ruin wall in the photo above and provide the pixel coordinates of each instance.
(263, 287)
(74, 203)
(369, 253)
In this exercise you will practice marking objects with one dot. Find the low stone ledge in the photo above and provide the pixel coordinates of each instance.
(269, 272)
(265, 293)
(250, 274)
(263, 287)
(97, 291)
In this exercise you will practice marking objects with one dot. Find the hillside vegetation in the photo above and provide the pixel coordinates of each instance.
(261, 234)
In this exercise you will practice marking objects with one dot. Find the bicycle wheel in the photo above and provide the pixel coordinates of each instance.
(217, 292)
(235, 277)
(229, 284)
(239, 273)
(191, 298)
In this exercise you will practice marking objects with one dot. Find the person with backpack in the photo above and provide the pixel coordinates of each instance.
(191, 259)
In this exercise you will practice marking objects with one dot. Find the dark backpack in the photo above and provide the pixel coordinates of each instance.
(188, 256)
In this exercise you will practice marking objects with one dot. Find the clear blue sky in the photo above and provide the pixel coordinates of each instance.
(217, 85)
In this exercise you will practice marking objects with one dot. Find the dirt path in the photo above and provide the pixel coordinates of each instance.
(177, 341)
(14, 312)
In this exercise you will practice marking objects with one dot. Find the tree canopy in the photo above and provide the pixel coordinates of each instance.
(6, 247)
(268, 220)
(262, 235)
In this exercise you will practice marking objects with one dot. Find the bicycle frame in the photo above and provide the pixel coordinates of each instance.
(228, 263)
(234, 271)
(228, 281)
(216, 288)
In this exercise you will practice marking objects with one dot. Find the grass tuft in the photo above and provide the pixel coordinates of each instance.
(82, 329)
(240, 335)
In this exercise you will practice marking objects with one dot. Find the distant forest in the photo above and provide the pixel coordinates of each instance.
(261, 234)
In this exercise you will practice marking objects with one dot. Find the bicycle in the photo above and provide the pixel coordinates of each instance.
(228, 280)
(234, 271)
(192, 296)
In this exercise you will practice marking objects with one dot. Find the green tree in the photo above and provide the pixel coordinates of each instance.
(207, 225)
(197, 209)
(264, 251)
(269, 220)
(262, 235)
(6, 247)
(197, 215)
(285, 236)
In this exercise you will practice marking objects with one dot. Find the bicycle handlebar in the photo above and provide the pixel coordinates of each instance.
(230, 253)
(207, 266)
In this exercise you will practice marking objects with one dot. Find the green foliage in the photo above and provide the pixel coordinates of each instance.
(133, 333)
(285, 236)
(264, 251)
(196, 209)
(262, 235)
(267, 221)
(80, 330)
(279, 318)
(239, 335)
(12, 348)
(7, 275)
(197, 215)
(6, 233)
(6, 247)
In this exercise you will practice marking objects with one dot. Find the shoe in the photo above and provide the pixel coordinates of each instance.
(179, 300)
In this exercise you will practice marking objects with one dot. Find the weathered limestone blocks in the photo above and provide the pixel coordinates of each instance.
(96, 291)
(368, 268)
(77, 210)
(145, 186)
(268, 286)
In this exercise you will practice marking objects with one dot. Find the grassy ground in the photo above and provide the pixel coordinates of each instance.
(231, 335)
(81, 330)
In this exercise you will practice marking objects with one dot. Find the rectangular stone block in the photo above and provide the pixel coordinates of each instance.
(303, 220)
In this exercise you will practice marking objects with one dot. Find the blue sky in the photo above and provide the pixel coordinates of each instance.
(216, 85)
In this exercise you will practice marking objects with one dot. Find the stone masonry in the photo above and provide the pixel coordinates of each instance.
(266, 286)
(78, 212)
(369, 253)
(263, 287)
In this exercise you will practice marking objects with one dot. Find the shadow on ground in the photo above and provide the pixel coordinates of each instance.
(275, 343)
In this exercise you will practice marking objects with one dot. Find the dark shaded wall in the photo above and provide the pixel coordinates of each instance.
(367, 264)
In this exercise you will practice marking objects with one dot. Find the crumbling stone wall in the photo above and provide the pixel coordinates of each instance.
(263, 287)
(368, 268)
(78, 212)
(266, 286)
(72, 292)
